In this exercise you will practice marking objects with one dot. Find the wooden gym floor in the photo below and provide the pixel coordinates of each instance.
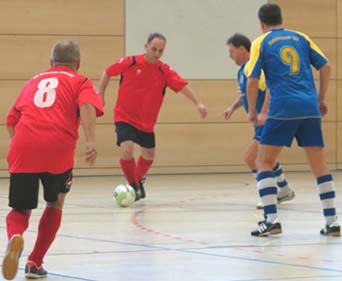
(189, 228)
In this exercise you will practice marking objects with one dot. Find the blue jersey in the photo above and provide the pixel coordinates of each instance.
(286, 56)
(242, 82)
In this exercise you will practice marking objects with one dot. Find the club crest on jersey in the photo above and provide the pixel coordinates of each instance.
(138, 72)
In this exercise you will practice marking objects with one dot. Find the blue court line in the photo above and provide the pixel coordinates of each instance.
(201, 253)
(184, 250)
(260, 261)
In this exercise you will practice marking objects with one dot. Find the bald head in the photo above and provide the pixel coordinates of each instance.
(65, 52)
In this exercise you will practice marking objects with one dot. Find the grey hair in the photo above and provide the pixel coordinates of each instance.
(65, 52)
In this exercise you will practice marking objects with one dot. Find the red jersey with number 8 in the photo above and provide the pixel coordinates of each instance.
(142, 89)
(46, 120)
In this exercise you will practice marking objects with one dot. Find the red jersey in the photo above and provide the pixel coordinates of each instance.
(46, 120)
(142, 89)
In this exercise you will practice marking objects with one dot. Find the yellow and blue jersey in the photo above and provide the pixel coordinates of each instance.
(242, 87)
(285, 56)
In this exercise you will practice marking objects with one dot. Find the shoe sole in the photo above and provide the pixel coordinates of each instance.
(34, 276)
(272, 232)
(11, 260)
(259, 205)
(333, 234)
(286, 198)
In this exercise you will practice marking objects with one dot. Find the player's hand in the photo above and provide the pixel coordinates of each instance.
(90, 154)
(323, 107)
(252, 117)
(203, 110)
(261, 119)
(228, 113)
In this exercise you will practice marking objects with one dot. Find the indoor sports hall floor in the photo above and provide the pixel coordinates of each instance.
(189, 228)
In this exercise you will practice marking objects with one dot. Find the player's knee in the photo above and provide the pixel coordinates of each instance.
(127, 153)
(148, 155)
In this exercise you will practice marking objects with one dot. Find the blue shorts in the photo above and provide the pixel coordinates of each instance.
(258, 132)
(308, 132)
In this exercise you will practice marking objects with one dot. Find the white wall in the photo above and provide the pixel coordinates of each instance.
(196, 32)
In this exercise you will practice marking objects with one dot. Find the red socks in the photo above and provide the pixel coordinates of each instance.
(48, 226)
(143, 166)
(17, 222)
(128, 167)
(134, 173)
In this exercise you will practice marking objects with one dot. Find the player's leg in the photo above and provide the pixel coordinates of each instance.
(127, 161)
(267, 188)
(56, 186)
(249, 158)
(326, 189)
(23, 196)
(275, 135)
(285, 193)
(145, 161)
(310, 137)
(126, 135)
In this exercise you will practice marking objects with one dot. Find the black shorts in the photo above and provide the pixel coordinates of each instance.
(24, 188)
(125, 132)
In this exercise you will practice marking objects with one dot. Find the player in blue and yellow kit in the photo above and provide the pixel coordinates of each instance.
(239, 47)
(295, 111)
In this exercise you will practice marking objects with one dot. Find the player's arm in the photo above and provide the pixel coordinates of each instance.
(234, 106)
(10, 130)
(252, 94)
(12, 119)
(324, 80)
(105, 78)
(113, 70)
(263, 113)
(190, 94)
(88, 122)
(253, 72)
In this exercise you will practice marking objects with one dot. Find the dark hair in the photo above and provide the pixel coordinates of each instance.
(270, 14)
(153, 35)
(238, 40)
(65, 52)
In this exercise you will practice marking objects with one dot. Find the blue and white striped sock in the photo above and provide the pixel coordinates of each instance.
(326, 188)
(254, 173)
(280, 177)
(268, 193)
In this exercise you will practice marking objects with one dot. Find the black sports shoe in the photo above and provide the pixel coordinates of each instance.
(331, 230)
(137, 191)
(142, 189)
(266, 228)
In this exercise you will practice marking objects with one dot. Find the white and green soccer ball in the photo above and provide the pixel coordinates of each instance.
(124, 195)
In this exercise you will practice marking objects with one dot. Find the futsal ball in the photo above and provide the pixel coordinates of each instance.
(124, 195)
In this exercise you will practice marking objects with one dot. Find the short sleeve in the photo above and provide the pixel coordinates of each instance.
(88, 94)
(119, 66)
(255, 63)
(173, 79)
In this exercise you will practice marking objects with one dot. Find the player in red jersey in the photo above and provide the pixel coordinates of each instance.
(43, 125)
(144, 79)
